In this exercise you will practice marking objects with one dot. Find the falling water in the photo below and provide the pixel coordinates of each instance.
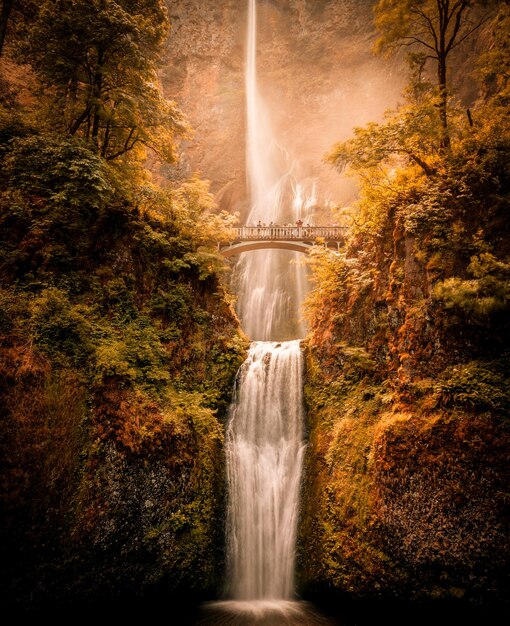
(264, 457)
(264, 438)
(271, 284)
(265, 449)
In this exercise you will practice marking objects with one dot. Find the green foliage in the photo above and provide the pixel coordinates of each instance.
(13, 18)
(323, 306)
(55, 191)
(124, 282)
(419, 22)
(98, 62)
(175, 303)
(337, 540)
(197, 532)
(193, 206)
(62, 172)
(427, 209)
(134, 356)
(136, 315)
(61, 330)
(14, 310)
(397, 320)
(358, 359)
(118, 341)
(411, 134)
(432, 29)
(12, 125)
(486, 294)
(432, 214)
(478, 385)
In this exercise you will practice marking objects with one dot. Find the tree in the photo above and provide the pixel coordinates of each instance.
(11, 13)
(5, 15)
(435, 28)
(97, 61)
(411, 133)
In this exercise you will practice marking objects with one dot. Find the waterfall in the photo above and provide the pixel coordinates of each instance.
(271, 284)
(264, 438)
(264, 446)
(264, 442)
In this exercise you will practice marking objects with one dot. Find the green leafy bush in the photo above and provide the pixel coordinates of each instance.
(60, 329)
(132, 354)
(479, 297)
(61, 170)
(478, 385)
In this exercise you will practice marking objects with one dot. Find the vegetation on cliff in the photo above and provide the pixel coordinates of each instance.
(118, 341)
(408, 378)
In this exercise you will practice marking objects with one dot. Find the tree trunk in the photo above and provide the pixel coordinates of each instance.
(106, 140)
(96, 97)
(4, 21)
(443, 101)
(75, 125)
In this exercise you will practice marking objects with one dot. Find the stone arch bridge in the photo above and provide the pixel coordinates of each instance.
(296, 238)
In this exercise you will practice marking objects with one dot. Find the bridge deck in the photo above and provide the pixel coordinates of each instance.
(294, 238)
(289, 233)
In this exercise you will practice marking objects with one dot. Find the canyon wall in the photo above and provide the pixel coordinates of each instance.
(316, 71)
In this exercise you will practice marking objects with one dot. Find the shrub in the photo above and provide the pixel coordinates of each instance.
(479, 297)
(60, 329)
(479, 385)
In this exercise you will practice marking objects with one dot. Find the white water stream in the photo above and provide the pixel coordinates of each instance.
(264, 442)
(264, 458)
(264, 439)
(271, 284)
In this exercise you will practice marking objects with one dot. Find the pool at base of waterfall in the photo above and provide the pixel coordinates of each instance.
(261, 612)
(175, 610)
(350, 613)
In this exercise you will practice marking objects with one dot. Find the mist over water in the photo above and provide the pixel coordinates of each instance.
(262, 613)
(264, 439)
(271, 284)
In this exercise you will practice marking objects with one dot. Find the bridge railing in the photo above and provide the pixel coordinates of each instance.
(298, 233)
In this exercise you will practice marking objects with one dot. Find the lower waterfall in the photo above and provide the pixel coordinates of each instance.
(264, 447)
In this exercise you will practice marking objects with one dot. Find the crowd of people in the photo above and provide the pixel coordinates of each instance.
(299, 224)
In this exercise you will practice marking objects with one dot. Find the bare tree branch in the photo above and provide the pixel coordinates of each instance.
(470, 32)
(414, 40)
(431, 28)
(456, 28)
(127, 145)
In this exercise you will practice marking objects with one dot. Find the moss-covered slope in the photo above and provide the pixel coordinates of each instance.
(117, 357)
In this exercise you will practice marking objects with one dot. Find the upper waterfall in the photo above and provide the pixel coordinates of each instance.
(259, 167)
(271, 285)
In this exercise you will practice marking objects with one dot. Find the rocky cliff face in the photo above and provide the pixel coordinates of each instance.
(408, 393)
(404, 490)
(402, 502)
(316, 72)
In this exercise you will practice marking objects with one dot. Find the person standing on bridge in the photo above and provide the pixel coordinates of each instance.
(299, 223)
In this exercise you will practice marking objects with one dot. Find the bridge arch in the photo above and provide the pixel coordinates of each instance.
(294, 238)
(249, 246)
